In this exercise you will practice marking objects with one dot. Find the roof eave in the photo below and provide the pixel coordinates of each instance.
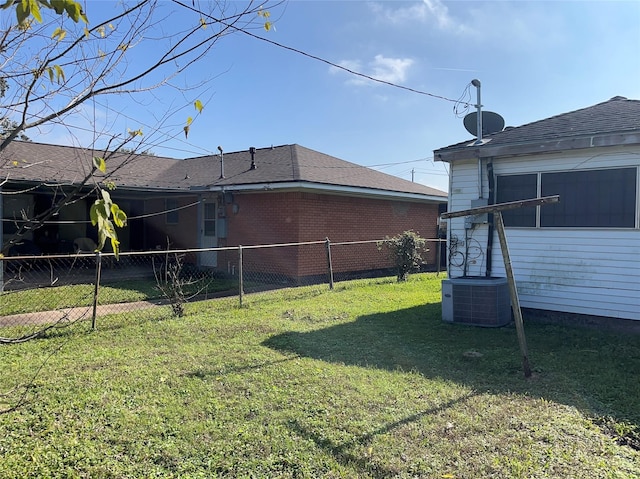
(327, 188)
(539, 146)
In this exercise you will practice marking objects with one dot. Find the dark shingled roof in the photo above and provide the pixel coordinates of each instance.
(37, 162)
(617, 116)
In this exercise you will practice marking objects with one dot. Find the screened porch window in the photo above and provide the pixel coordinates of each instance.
(513, 188)
(588, 199)
(596, 198)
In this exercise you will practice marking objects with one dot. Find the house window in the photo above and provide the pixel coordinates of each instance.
(172, 215)
(595, 198)
(210, 219)
(588, 199)
(513, 188)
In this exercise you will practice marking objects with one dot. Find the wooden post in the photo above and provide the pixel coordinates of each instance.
(513, 291)
(329, 265)
(96, 289)
(240, 275)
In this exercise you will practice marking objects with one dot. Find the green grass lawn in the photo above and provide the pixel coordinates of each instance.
(364, 381)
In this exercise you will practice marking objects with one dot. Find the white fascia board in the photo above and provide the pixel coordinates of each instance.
(535, 147)
(324, 188)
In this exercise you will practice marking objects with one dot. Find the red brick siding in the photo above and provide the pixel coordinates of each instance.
(184, 234)
(265, 218)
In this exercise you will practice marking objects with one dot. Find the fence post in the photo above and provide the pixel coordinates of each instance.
(96, 289)
(240, 276)
(329, 265)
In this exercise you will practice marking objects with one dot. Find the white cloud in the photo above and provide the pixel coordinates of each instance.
(427, 11)
(496, 26)
(392, 70)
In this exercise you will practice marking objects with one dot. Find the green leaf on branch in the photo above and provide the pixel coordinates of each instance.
(56, 73)
(187, 127)
(98, 211)
(59, 73)
(74, 10)
(101, 214)
(100, 164)
(266, 14)
(119, 216)
(109, 184)
(22, 12)
(59, 34)
(31, 8)
(58, 6)
(115, 246)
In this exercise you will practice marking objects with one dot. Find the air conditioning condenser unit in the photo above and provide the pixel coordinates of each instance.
(478, 301)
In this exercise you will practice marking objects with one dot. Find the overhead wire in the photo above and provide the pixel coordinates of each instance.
(461, 104)
(315, 57)
(138, 217)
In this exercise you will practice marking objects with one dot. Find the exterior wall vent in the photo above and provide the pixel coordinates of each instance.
(476, 301)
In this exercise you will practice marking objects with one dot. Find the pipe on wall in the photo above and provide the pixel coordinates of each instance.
(491, 201)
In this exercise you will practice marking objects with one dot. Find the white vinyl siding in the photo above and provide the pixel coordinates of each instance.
(582, 270)
(464, 189)
(567, 270)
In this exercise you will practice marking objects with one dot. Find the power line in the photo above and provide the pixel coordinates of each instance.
(317, 58)
(460, 102)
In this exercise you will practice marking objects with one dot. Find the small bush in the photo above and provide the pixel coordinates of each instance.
(404, 250)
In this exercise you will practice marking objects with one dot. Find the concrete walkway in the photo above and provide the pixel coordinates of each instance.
(74, 314)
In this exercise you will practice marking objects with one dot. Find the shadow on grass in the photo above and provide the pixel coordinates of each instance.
(341, 451)
(594, 371)
(204, 373)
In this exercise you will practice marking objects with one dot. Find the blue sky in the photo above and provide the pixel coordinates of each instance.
(534, 60)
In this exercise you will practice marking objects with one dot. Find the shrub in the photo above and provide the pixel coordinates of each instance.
(404, 250)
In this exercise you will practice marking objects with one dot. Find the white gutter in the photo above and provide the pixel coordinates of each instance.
(350, 190)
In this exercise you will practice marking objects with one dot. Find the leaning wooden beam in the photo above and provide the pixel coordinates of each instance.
(513, 291)
(511, 205)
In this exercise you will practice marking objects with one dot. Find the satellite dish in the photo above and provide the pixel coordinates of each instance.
(491, 123)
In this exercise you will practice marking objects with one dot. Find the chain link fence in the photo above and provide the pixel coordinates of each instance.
(38, 293)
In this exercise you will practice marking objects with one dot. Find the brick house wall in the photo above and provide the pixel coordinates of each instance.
(292, 217)
(181, 229)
